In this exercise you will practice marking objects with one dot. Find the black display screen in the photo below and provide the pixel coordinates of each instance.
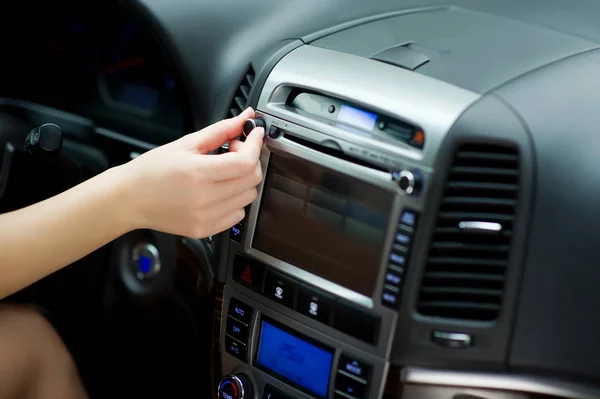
(324, 222)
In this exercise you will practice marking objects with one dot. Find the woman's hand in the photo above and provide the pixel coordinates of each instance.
(181, 189)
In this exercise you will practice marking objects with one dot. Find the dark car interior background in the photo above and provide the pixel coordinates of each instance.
(427, 223)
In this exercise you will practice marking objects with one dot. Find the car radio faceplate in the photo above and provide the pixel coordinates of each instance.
(320, 260)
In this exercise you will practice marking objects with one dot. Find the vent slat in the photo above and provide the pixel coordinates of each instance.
(466, 269)
(466, 261)
(240, 99)
(461, 246)
(469, 185)
(483, 171)
(459, 290)
(479, 201)
(486, 156)
(245, 89)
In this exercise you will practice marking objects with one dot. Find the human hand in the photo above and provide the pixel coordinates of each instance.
(180, 188)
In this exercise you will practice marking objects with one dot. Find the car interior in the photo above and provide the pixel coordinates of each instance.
(425, 228)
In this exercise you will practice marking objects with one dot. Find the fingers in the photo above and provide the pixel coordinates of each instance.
(214, 136)
(233, 165)
(229, 188)
(227, 221)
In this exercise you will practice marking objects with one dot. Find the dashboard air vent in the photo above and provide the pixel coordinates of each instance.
(469, 252)
(240, 99)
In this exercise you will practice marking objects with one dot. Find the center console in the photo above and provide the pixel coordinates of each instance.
(316, 271)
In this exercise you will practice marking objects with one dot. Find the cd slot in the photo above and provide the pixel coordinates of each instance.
(334, 152)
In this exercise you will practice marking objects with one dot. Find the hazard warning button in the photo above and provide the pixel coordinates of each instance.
(248, 272)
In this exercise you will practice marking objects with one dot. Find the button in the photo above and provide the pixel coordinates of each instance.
(408, 218)
(274, 132)
(390, 299)
(402, 238)
(237, 330)
(355, 322)
(350, 386)
(397, 259)
(240, 311)
(146, 261)
(273, 393)
(248, 272)
(236, 232)
(393, 278)
(280, 289)
(314, 304)
(355, 367)
(451, 339)
(235, 348)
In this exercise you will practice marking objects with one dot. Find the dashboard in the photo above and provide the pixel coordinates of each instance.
(427, 225)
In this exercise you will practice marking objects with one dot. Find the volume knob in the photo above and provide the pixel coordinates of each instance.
(410, 182)
(252, 124)
(235, 387)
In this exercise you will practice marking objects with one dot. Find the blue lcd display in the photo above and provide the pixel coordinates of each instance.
(357, 118)
(294, 359)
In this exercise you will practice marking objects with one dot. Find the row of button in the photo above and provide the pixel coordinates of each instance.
(236, 330)
(306, 299)
(398, 261)
(352, 379)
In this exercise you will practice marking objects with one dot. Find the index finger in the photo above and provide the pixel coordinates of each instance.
(217, 134)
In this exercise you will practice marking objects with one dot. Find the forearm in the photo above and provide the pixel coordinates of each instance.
(40, 239)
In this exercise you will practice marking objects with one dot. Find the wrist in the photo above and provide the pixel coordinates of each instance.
(120, 199)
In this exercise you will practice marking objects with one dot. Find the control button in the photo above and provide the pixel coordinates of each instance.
(248, 272)
(350, 386)
(451, 339)
(397, 259)
(251, 124)
(393, 278)
(235, 386)
(280, 289)
(355, 367)
(274, 132)
(408, 218)
(240, 311)
(410, 182)
(235, 348)
(237, 330)
(314, 304)
(146, 261)
(273, 393)
(390, 299)
(355, 322)
(236, 232)
(402, 238)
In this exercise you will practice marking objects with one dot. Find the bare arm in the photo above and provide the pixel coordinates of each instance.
(40, 239)
(177, 188)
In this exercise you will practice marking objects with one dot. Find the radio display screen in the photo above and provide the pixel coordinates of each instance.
(296, 360)
(322, 221)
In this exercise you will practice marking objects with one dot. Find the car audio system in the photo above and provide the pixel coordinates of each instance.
(316, 270)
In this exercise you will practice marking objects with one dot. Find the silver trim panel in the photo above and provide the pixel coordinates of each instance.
(505, 382)
(431, 104)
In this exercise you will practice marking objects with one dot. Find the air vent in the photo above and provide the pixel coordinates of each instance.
(468, 257)
(240, 99)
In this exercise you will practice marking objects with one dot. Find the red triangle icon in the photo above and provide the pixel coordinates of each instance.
(247, 276)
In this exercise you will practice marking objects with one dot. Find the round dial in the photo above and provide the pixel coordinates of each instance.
(235, 387)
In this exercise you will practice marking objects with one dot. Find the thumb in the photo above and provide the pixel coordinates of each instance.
(217, 134)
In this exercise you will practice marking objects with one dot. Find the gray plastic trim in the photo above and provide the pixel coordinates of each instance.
(431, 104)
(505, 382)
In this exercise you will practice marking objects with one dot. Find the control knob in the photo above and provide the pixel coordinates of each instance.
(235, 386)
(252, 124)
(410, 181)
